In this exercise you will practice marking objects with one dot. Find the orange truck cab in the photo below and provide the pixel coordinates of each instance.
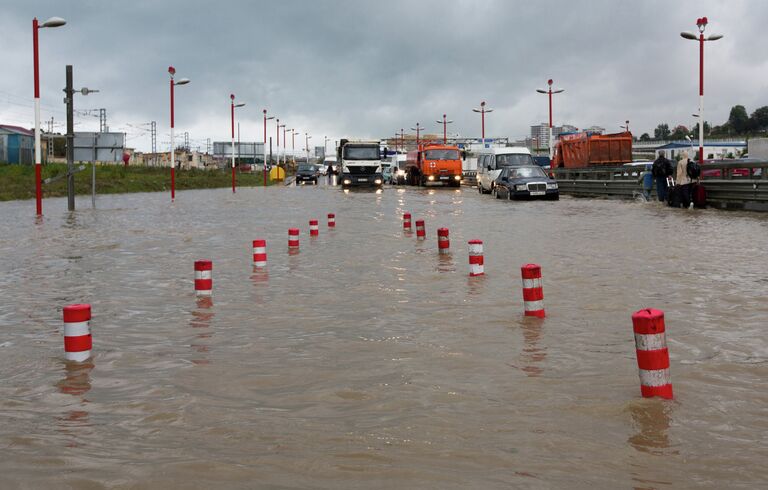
(434, 164)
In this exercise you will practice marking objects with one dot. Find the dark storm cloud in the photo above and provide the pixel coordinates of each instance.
(364, 68)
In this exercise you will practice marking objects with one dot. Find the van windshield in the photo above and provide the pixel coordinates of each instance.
(513, 160)
(441, 155)
(361, 153)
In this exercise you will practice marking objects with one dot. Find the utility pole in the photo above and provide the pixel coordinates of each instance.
(50, 139)
(103, 121)
(153, 130)
(186, 140)
(70, 95)
(207, 145)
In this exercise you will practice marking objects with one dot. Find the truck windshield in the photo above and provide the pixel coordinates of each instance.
(361, 153)
(441, 155)
(513, 160)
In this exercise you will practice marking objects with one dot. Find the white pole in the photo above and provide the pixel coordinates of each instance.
(701, 127)
(173, 149)
(37, 132)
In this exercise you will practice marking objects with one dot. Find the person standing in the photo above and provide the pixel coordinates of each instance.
(682, 180)
(661, 169)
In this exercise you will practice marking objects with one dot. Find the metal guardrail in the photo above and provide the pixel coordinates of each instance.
(734, 185)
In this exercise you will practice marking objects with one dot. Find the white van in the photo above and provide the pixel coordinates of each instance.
(490, 161)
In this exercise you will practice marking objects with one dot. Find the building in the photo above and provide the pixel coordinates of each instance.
(594, 130)
(564, 129)
(712, 149)
(185, 159)
(540, 135)
(17, 144)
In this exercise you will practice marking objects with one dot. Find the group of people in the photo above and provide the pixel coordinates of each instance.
(677, 190)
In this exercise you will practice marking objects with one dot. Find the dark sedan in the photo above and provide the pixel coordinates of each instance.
(306, 173)
(525, 182)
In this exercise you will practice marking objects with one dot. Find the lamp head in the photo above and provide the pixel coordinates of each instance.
(171, 70)
(714, 37)
(182, 81)
(689, 35)
(54, 22)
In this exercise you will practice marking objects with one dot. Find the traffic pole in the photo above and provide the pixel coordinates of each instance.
(652, 353)
(533, 290)
(443, 242)
(260, 253)
(203, 277)
(476, 260)
(77, 332)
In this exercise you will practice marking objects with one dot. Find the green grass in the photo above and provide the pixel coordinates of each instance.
(18, 181)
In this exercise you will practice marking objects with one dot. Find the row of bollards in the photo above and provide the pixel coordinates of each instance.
(648, 324)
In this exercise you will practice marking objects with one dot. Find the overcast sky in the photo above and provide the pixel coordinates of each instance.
(367, 69)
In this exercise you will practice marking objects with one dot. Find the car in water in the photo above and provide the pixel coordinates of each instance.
(525, 182)
(306, 172)
(490, 162)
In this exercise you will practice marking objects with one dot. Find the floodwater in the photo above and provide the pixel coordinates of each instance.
(367, 360)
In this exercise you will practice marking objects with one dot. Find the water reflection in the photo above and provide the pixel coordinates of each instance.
(533, 354)
(201, 319)
(445, 263)
(76, 382)
(651, 418)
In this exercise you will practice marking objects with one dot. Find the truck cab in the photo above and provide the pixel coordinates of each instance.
(434, 164)
(359, 164)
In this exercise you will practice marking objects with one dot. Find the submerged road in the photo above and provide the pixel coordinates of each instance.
(367, 360)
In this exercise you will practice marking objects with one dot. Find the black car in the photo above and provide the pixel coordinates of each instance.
(306, 173)
(525, 182)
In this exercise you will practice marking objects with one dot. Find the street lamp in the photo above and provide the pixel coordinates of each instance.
(265, 145)
(445, 131)
(701, 23)
(325, 144)
(549, 92)
(306, 145)
(52, 22)
(232, 110)
(285, 144)
(402, 139)
(482, 112)
(626, 126)
(417, 129)
(277, 140)
(182, 81)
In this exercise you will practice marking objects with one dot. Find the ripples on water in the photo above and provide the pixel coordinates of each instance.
(369, 361)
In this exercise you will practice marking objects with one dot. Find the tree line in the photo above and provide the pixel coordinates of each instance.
(739, 124)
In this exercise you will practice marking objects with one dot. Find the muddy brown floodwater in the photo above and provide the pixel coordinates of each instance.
(369, 361)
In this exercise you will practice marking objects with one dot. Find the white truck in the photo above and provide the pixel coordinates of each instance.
(359, 164)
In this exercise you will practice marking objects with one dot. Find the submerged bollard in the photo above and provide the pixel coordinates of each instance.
(443, 242)
(420, 232)
(314, 229)
(77, 332)
(476, 262)
(407, 222)
(203, 277)
(293, 238)
(652, 353)
(331, 220)
(259, 253)
(533, 290)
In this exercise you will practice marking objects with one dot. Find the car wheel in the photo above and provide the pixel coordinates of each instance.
(509, 196)
(495, 193)
(479, 188)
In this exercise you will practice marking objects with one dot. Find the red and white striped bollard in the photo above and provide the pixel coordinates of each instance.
(533, 290)
(293, 238)
(407, 222)
(203, 277)
(331, 220)
(77, 332)
(314, 229)
(260, 253)
(421, 234)
(443, 242)
(476, 261)
(652, 353)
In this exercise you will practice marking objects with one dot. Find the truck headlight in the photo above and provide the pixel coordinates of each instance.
(431, 177)
(401, 172)
(552, 186)
(347, 182)
(521, 187)
(457, 177)
(377, 181)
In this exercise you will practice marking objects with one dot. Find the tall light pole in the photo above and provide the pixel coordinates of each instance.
(325, 145)
(626, 126)
(549, 92)
(445, 129)
(52, 22)
(402, 139)
(307, 137)
(417, 129)
(232, 109)
(482, 112)
(285, 144)
(265, 145)
(277, 139)
(701, 23)
(183, 81)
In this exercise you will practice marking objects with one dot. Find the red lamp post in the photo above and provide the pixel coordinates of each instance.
(417, 129)
(183, 81)
(701, 23)
(52, 22)
(265, 145)
(482, 112)
(445, 130)
(402, 139)
(549, 92)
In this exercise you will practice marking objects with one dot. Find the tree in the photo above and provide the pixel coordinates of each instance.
(707, 129)
(738, 119)
(679, 133)
(645, 137)
(758, 121)
(661, 132)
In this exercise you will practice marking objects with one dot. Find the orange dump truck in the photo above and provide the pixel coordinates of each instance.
(585, 150)
(434, 164)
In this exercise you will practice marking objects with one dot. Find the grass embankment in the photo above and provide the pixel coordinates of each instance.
(18, 181)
